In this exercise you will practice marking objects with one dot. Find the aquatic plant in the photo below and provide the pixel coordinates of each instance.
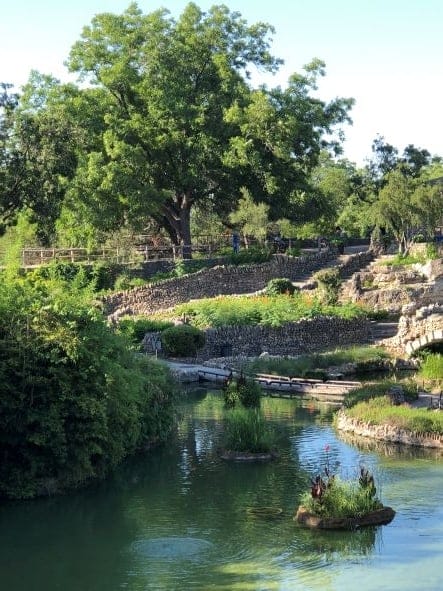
(332, 497)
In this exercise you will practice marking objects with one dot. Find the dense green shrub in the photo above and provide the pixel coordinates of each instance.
(75, 399)
(124, 282)
(279, 285)
(244, 391)
(135, 327)
(247, 256)
(329, 283)
(182, 340)
(101, 274)
(432, 251)
(104, 274)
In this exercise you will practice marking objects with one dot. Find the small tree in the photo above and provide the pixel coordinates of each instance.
(405, 206)
(251, 218)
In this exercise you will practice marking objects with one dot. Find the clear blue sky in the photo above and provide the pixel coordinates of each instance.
(387, 54)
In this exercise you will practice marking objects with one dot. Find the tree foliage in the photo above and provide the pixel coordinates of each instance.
(407, 206)
(184, 127)
(38, 153)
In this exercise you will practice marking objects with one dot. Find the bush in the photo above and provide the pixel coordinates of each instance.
(242, 390)
(182, 341)
(432, 252)
(125, 282)
(329, 282)
(278, 286)
(135, 327)
(252, 255)
(104, 275)
(75, 399)
(246, 431)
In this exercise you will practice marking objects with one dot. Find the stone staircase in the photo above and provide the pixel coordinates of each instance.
(383, 330)
(346, 264)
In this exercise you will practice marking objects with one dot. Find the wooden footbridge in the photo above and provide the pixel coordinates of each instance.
(284, 386)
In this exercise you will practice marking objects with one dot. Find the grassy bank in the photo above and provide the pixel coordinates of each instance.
(262, 309)
(380, 411)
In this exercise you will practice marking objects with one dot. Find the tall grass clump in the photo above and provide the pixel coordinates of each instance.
(246, 431)
(330, 496)
(432, 367)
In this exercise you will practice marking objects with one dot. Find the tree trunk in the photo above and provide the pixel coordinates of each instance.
(185, 231)
(176, 220)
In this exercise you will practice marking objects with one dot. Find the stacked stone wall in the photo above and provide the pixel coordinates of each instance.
(223, 280)
(295, 338)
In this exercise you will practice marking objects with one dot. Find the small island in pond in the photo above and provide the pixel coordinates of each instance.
(333, 503)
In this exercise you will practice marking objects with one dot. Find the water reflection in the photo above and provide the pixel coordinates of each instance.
(177, 518)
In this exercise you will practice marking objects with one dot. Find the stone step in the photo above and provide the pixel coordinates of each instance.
(384, 330)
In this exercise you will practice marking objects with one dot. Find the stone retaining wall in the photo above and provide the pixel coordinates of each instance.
(417, 328)
(387, 432)
(295, 338)
(223, 280)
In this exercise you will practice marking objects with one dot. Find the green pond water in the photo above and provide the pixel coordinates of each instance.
(176, 518)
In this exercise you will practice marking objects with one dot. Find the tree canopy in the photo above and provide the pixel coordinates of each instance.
(182, 124)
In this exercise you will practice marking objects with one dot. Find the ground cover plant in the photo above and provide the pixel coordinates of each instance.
(403, 260)
(182, 340)
(241, 391)
(262, 309)
(380, 389)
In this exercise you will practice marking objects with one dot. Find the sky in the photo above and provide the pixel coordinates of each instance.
(386, 54)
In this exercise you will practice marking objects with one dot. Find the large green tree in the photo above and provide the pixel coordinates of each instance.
(39, 145)
(183, 125)
(407, 206)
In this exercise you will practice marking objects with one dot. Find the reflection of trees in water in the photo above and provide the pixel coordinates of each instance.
(388, 448)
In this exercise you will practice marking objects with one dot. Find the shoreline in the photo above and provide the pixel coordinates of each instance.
(386, 432)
